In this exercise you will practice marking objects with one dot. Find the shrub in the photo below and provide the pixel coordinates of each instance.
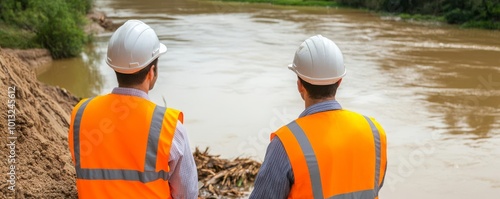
(59, 30)
(458, 16)
(482, 24)
(56, 24)
(12, 37)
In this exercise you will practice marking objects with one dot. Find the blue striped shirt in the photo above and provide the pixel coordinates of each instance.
(275, 177)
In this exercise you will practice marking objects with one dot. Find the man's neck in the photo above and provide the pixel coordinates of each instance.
(309, 102)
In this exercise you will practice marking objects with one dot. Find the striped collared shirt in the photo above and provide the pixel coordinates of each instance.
(275, 177)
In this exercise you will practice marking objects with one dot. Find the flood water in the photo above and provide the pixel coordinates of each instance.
(434, 88)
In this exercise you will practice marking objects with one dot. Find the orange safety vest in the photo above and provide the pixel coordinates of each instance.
(120, 146)
(335, 154)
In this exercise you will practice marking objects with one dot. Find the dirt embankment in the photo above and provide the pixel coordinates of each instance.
(38, 160)
(37, 59)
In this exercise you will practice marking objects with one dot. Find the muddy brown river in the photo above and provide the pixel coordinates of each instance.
(435, 88)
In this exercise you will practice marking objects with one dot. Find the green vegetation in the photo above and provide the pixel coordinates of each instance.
(16, 38)
(467, 13)
(322, 3)
(56, 25)
(419, 17)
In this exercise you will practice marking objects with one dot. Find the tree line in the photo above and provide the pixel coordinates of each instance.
(58, 24)
(469, 13)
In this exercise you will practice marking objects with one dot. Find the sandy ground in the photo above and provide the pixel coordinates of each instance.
(37, 148)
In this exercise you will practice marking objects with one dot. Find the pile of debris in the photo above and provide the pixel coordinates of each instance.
(99, 23)
(223, 177)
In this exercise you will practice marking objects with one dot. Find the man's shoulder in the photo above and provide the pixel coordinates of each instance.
(79, 104)
(172, 109)
(350, 113)
(176, 114)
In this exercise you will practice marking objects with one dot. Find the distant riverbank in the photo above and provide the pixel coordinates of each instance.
(484, 14)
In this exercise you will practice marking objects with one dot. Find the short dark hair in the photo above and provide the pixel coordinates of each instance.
(320, 91)
(138, 77)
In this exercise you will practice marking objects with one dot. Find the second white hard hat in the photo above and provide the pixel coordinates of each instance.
(132, 47)
(318, 61)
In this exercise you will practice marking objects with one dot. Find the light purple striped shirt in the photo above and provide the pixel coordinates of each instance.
(183, 175)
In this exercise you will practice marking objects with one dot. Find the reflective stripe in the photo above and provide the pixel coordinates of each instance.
(383, 178)
(154, 138)
(376, 138)
(310, 156)
(149, 173)
(76, 132)
(355, 195)
(121, 174)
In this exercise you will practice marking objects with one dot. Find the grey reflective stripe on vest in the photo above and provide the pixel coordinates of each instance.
(121, 174)
(149, 173)
(376, 138)
(76, 132)
(313, 167)
(153, 139)
(310, 156)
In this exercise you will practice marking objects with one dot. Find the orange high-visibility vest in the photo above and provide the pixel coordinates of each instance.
(120, 146)
(335, 154)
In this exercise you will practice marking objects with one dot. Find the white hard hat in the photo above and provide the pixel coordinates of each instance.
(132, 47)
(318, 61)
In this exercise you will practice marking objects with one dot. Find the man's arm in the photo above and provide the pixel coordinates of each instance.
(183, 175)
(275, 176)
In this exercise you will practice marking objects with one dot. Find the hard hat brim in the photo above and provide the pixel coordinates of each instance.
(126, 70)
(163, 49)
(316, 81)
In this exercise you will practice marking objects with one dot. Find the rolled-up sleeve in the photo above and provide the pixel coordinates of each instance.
(183, 175)
(275, 176)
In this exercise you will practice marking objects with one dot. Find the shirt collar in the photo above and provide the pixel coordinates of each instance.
(321, 107)
(131, 92)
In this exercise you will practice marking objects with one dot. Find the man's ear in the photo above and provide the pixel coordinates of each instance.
(151, 73)
(299, 86)
(301, 89)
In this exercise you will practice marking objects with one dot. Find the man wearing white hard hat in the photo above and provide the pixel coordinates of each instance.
(328, 152)
(122, 144)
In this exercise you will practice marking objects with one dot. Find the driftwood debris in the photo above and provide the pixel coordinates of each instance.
(223, 178)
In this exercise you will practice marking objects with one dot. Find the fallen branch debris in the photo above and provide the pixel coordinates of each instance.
(223, 177)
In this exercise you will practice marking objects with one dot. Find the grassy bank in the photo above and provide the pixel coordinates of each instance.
(483, 14)
(320, 3)
(14, 37)
(56, 25)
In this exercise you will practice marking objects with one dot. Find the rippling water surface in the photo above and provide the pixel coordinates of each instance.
(434, 88)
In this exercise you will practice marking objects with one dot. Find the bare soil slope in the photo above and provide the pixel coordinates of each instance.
(43, 167)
